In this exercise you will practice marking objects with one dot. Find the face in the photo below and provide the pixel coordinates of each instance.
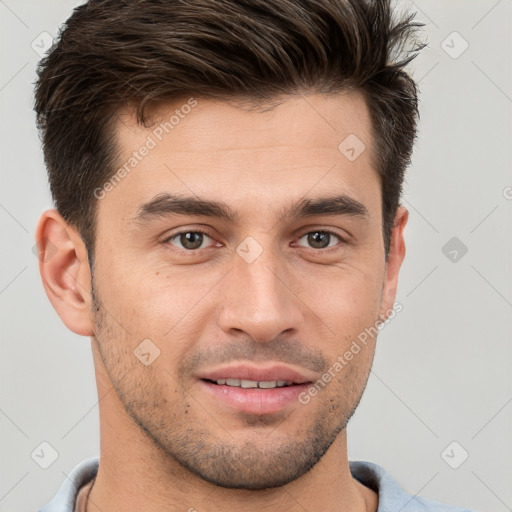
(236, 262)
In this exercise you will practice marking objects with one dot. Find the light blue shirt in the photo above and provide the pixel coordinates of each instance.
(392, 498)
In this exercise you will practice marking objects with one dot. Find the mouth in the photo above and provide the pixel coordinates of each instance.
(255, 390)
(251, 384)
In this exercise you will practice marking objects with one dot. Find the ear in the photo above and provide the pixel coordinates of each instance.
(395, 259)
(64, 269)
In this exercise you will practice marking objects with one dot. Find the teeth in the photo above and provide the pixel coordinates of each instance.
(246, 384)
(249, 383)
(267, 384)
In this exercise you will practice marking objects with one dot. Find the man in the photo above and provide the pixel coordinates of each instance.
(227, 179)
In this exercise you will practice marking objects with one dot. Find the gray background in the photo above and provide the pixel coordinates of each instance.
(442, 369)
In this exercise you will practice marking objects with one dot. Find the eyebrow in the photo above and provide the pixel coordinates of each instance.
(164, 205)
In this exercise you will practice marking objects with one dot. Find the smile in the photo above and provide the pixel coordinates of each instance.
(247, 384)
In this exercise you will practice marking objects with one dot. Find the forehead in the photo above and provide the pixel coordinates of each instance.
(217, 150)
(202, 124)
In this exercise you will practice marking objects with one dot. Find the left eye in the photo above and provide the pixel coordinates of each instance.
(189, 240)
(320, 239)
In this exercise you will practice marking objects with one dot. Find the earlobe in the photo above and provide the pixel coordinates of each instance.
(65, 271)
(395, 259)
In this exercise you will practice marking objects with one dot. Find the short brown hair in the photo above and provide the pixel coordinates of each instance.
(111, 53)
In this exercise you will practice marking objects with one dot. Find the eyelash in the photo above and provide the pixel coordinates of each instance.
(204, 232)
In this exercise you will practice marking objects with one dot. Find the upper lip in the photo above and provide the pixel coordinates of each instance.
(270, 372)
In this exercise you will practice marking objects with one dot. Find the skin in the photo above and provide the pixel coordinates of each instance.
(165, 443)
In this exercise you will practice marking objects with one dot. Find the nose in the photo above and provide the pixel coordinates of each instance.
(259, 300)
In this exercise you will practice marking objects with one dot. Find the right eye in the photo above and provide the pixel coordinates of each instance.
(188, 240)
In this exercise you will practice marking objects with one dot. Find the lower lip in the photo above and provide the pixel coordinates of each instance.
(255, 400)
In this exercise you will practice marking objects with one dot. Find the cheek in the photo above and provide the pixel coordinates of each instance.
(140, 291)
(346, 298)
(153, 300)
(165, 307)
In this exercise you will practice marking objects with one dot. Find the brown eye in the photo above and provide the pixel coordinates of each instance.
(189, 240)
(320, 239)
